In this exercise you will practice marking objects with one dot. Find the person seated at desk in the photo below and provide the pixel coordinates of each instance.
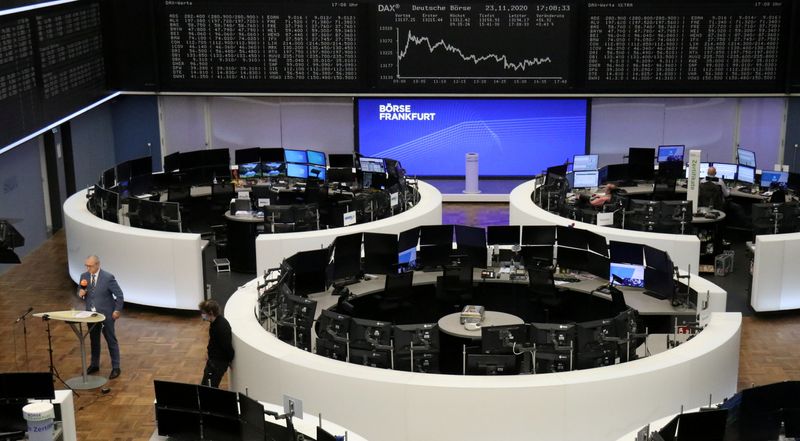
(711, 176)
(598, 200)
(778, 195)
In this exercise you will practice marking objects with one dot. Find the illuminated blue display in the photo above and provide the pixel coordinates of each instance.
(298, 156)
(430, 137)
(297, 171)
(316, 158)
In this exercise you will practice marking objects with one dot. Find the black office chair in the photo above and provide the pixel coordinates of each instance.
(710, 195)
(543, 287)
(393, 301)
(454, 286)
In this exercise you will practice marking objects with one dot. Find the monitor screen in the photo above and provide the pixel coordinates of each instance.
(273, 154)
(640, 163)
(670, 153)
(770, 177)
(703, 170)
(794, 181)
(374, 165)
(296, 170)
(408, 257)
(296, 156)
(246, 156)
(503, 235)
(725, 170)
(626, 252)
(271, 168)
(317, 172)
(316, 158)
(250, 170)
(584, 162)
(746, 157)
(585, 179)
(172, 162)
(344, 160)
(432, 136)
(176, 395)
(380, 253)
(746, 174)
(630, 275)
(538, 235)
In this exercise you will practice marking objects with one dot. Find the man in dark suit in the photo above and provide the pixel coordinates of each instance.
(102, 294)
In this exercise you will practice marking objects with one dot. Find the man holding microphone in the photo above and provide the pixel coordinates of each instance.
(102, 294)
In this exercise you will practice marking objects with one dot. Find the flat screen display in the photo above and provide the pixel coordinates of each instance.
(725, 171)
(631, 275)
(407, 257)
(746, 157)
(374, 165)
(746, 174)
(297, 156)
(431, 137)
(271, 168)
(585, 179)
(250, 170)
(315, 157)
(703, 170)
(668, 153)
(297, 171)
(770, 177)
(584, 162)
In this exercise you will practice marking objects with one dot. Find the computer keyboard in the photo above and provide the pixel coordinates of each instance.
(565, 278)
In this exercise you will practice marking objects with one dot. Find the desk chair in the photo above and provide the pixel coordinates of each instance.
(710, 195)
(454, 286)
(393, 301)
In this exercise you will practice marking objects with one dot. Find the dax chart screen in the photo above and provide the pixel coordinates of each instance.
(460, 46)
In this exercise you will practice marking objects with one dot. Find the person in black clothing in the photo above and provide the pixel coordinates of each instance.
(220, 346)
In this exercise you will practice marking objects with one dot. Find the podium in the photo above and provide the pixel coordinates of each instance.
(76, 320)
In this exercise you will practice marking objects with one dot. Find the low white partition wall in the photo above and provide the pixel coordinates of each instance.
(601, 403)
(776, 273)
(684, 249)
(271, 249)
(154, 268)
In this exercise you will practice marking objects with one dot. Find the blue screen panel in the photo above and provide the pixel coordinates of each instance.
(250, 170)
(297, 171)
(631, 275)
(298, 156)
(316, 172)
(769, 177)
(316, 158)
(512, 137)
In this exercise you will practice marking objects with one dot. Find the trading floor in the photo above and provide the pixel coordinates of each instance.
(170, 345)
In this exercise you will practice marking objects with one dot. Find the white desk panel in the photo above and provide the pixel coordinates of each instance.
(271, 249)
(776, 279)
(404, 406)
(684, 249)
(155, 268)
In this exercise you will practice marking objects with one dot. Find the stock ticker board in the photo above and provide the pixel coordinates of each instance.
(474, 46)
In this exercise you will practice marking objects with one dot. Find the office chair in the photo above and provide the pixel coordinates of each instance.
(393, 301)
(710, 195)
(454, 286)
(542, 286)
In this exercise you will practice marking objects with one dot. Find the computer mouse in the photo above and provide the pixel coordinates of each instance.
(94, 314)
(472, 326)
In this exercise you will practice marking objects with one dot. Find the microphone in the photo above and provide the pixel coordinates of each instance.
(22, 317)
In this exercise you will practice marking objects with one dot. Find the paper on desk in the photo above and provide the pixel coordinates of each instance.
(83, 314)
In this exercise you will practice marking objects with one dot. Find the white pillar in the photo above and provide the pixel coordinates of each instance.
(471, 174)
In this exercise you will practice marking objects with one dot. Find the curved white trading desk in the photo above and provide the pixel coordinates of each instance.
(776, 279)
(155, 268)
(271, 249)
(601, 403)
(683, 249)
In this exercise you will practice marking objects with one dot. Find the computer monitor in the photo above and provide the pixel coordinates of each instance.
(614, 173)
(793, 182)
(423, 336)
(594, 333)
(316, 158)
(340, 160)
(625, 274)
(598, 265)
(218, 401)
(247, 156)
(556, 170)
(574, 259)
(436, 235)
(703, 170)
(552, 335)
(492, 364)
(471, 243)
(659, 283)
(172, 162)
(347, 257)
(573, 237)
(316, 172)
(273, 154)
(770, 177)
(309, 271)
(374, 165)
(506, 339)
(333, 326)
(323, 435)
(538, 235)
(124, 172)
(584, 162)
(503, 235)
(670, 170)
(705, 425)
(141, 166)
(298, 171)
(746, 157)
(110, 177)
(178, 424)
(250, 170)
(296, 156)
(746, 174)
(271, 169)
(657, 259)
(585, 179)
(370, 334)
(641, 163)
(407, 258)
(251, 416)
(670, 153)
(725, 171)
(343, 175)
(178, 396)
(380, 253)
